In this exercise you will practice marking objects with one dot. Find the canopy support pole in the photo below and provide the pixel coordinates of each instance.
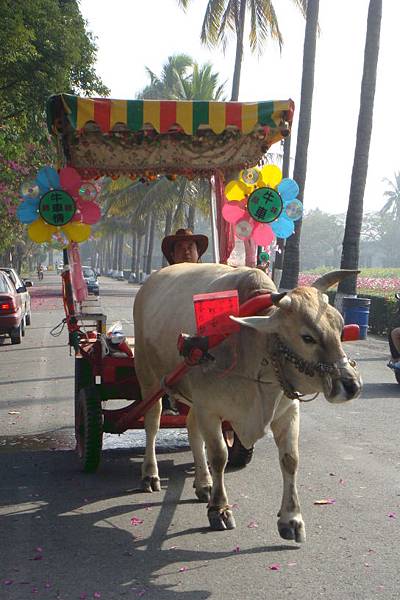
(214, 230)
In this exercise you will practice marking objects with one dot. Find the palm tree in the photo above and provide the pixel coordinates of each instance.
(168, 85)
(291, 262)
(351, 240)
(226, 16)
(392, 203)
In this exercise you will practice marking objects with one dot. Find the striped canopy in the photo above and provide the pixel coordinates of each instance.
(114, 131)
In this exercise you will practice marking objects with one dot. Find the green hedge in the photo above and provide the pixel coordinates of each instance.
(383, 312)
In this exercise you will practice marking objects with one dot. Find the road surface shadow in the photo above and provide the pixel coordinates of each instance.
(77, 534)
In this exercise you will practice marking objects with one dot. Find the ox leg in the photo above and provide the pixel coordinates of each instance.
(219, 513)
(286, 435)
(150, 478)
(202, 478)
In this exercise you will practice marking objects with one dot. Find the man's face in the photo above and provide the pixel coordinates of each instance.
(185, 251)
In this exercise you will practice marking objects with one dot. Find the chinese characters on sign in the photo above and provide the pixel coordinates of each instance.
(265, 205)
(57, 207)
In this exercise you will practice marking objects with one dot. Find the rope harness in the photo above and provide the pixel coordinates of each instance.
(279, 353)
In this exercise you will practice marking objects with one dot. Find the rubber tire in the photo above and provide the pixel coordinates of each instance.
(238, 455)
(23, 327)
(83, 376)
(28, 319)
(393, 351)
(16, 335)
(89, 428)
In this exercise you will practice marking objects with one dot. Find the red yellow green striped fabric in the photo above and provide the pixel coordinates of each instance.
(163, 115)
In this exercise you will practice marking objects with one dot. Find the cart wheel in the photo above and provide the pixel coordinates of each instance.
(89, 428)
(238, 455)
(83, 377)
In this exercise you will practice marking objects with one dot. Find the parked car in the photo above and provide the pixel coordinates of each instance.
(90, 277)
(12, 310)
(21, 286)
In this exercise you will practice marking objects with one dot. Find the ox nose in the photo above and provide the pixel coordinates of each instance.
(351, 387)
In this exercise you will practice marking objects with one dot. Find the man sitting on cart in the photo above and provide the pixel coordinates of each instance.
(184, 246)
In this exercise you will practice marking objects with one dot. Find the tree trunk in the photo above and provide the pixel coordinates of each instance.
(167, 231)
(121, 252)
(351, 240)
(150, 244)
(146, 243)
(191, 217)
(291, 261)
(138, 257)
(115, 252)
(239, 50)
(133, 255)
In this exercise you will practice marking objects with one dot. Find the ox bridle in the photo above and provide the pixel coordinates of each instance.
(279, 353)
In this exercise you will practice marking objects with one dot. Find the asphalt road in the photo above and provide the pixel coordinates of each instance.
(66, 535)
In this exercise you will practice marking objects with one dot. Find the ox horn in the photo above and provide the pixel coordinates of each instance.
(325, 282)
(276, 298)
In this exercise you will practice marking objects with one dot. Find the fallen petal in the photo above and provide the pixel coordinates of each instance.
(8, 581)
(236, 549)
(83, 596)
(392, 515)
(136, 521)
(182, 569)
(252, 525)
(97, 595)
(275, 567)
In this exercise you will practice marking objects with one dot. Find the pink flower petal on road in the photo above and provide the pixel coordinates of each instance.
(8, 581)
(97, 595)
(252, 525)
(183, 569)
(392, 515)
(275, 567)
(83, 596)
(291, 564)
(236, 549)
(325, 501)
(141, 593)
(136, 521)
(38, 549)
(37, 557)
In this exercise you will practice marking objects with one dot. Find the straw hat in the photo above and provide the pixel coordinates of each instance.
(167, 245)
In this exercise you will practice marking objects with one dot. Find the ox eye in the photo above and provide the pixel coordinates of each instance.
(307, 339)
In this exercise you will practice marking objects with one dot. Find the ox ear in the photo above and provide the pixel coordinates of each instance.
(325, 282)
(261, 324)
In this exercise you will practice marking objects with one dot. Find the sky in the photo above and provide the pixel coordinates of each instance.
(132, 34)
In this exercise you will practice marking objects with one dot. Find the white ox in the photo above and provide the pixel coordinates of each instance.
(295, 347)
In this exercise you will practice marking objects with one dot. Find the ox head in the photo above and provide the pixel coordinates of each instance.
(303, 339)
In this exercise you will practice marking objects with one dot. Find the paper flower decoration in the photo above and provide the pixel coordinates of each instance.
(262, 205)
(56, 203)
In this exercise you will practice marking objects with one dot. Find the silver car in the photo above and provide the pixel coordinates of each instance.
(21, 286)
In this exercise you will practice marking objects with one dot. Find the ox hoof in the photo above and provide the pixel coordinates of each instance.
(294, 530)
(203, 493)
(221, 519)
(151, 484)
